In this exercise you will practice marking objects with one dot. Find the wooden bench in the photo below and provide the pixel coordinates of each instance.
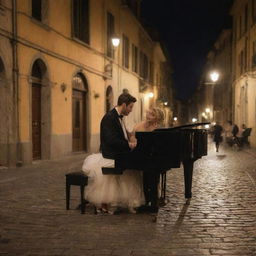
(76, 179)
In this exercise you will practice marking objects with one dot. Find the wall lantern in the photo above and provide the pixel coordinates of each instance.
(150, 94)
(63, 87)
(115, 41)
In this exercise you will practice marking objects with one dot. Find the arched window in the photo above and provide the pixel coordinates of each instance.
(109, 98)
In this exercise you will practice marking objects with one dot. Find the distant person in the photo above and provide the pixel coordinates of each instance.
(217, 135)
(231, 134)
(234, 129)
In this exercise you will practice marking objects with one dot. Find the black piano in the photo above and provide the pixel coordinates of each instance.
(161, 150)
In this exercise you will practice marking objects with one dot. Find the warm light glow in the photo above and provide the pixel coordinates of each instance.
(150, 94)
(194, 120)
(207, 110)
(166, 103)
(115, 41)
(214, 76)
(207, 126)
(175, 118)
(203, 114)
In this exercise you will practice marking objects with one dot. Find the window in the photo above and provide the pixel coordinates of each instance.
(254, 47)
(245, 18)
(151, 72)
(39, 10)
(110, 33)
(253, 11)
(241, 62)
(145, 60)
(245, 54)
(143, 65)
(81, 20)
(240, 27)
(135, 56)
(254, 53)
(125, 51)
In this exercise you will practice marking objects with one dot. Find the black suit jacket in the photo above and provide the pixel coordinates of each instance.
(112, 140)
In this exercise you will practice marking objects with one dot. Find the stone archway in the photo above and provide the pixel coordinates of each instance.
(79, 113)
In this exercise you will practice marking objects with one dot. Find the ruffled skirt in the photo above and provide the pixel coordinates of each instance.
(124, 190)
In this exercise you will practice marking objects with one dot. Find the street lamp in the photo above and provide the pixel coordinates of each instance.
(214, 76)
(150, 94)
(115, 41)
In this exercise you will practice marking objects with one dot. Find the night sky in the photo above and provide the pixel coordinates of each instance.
(188, 29)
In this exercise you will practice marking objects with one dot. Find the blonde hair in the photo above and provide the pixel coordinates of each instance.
(159, 115)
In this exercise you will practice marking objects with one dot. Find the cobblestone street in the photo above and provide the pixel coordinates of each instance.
(220, 219)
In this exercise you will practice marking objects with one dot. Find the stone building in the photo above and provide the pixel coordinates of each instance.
(59, 73)
(214, 99)
(244, 64)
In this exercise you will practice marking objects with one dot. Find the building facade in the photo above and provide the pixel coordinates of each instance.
(244, 65)
(214, 98)
(60, 73)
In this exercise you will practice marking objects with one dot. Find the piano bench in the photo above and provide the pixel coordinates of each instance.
(77, 179)
(111, 171)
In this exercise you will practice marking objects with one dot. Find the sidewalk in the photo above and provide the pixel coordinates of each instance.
(219, 220)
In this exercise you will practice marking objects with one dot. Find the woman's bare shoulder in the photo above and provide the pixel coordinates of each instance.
(139, 127)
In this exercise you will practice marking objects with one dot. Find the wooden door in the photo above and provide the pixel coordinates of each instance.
(78, 112)
(36, 121)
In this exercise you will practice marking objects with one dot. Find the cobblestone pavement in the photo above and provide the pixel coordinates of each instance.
(219, 220)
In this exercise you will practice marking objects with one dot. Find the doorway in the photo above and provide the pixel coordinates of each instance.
(79, 113)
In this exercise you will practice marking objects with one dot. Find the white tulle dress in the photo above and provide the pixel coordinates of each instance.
(124, 190)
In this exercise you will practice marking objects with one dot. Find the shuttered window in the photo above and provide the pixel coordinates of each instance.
(110, 33)
(125, 51)
(81, 20)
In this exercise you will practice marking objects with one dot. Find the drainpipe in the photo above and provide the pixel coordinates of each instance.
(15, 77)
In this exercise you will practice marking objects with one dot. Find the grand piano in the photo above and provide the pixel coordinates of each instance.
(158, 152)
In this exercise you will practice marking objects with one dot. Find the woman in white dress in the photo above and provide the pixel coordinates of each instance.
(124, 190)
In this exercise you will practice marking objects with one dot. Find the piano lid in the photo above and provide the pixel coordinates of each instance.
(182, 127)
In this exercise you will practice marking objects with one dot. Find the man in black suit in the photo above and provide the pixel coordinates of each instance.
(113, 135)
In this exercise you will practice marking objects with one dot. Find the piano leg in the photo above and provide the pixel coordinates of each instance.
(188, 175)
(150, 181)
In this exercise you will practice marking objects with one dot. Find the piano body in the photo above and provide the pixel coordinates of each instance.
(161, 150)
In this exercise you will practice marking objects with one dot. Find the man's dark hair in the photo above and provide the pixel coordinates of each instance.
(125, 98)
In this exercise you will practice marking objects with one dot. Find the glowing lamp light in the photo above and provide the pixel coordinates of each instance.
(175, 118)
(166, 103)
(150, 94)
(207, 110)
(214, 76)
(115, 41)
(194, 120)
(207, 126)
